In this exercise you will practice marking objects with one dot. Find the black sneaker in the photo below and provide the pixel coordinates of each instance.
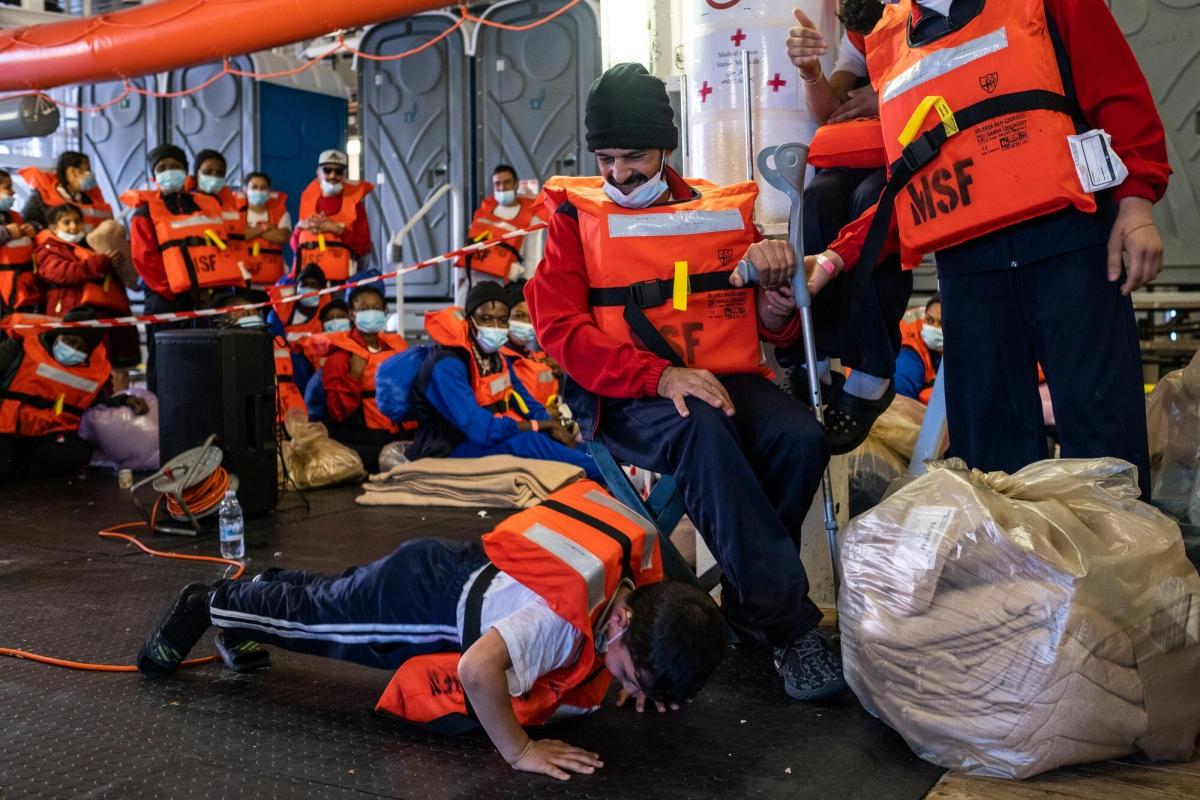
(185, 622)
(810, 668)
(849, 419)
(240, 654)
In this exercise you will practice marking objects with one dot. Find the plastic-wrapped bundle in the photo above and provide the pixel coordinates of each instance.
(314, 460)
(129, 440)
(885, 454)
(1173, 422)
(1008, 625)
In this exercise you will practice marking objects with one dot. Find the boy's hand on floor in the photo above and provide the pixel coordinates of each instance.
(554, 758)
(639, 702)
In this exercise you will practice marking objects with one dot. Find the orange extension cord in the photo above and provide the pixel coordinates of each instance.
(200, 498)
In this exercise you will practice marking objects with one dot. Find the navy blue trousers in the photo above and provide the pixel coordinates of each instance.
(1064, 313)
(380, 614)
(747, 482)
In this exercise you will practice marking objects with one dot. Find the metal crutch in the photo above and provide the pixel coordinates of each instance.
(787, 175)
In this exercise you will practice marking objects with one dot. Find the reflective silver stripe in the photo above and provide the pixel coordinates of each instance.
(24, 241)
(940, 62)
(294, 336)
(187, 222)
(674, 223)
(230, 215)
(500, 383)
(282, 354)
(53, 373)
(498, 223)
(612, 504)
(575, 556)
(98, 213)
(546, 377)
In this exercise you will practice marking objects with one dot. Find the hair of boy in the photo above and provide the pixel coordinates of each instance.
(676, 637)
(336, 304)
(860, 16)
(55, 213)
(66, 160)
(505, 168)
(254, 175)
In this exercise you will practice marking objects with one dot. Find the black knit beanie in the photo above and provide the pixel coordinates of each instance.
(164, 151)
(628, 109)
(485, 292)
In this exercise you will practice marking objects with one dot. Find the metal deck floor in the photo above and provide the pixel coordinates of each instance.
(305, 728)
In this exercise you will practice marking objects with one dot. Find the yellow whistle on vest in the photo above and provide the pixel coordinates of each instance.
(255, 249)
(922, 110)
(58, 404)
(321, 242)
(211, 235)
(679, 293)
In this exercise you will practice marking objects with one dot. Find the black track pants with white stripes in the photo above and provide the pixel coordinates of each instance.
(379, 614)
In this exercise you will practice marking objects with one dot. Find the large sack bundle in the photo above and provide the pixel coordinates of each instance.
(1173, 422)
(1010, 624)
(128, 440)
(314, 460)
(885, 454)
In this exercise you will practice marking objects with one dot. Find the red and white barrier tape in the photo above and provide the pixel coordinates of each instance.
(175, 316)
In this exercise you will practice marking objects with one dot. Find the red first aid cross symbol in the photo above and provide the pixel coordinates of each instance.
(705, 91)
(776, 82)
(738, 38)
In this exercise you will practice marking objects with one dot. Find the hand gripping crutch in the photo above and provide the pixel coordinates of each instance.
(787, 175)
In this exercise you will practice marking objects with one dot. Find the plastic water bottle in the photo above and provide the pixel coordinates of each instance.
(233, 540)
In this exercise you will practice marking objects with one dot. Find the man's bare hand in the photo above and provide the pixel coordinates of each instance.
(1135, 234)
(805, 46)
(774, 260)
(862, 102)
(678, 383)
(556, 759)
(775, 307)
(639, 702)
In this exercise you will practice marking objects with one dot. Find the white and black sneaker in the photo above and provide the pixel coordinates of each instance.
(810, 668)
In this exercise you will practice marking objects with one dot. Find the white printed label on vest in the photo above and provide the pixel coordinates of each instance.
(1096, 163)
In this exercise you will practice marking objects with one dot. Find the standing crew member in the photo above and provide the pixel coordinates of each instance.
(1029, 250)
(676, 376)
(333, 232)
(178, 244)
(500, 212)
(211, 179)
(920, 353)
(268, 227)
(19, 289)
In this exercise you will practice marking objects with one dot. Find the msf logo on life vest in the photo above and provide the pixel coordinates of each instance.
(684, 339)
(206, 262)
(941, 191)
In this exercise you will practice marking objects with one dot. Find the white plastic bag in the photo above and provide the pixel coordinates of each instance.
(1173, 424)
(129, 440)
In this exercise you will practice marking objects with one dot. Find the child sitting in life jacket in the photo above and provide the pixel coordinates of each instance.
(48, 378)
(468, 403)
(19, 289)
(531, 627)
(296, 320)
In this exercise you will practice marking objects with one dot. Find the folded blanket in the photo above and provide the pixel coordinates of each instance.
(489, 482)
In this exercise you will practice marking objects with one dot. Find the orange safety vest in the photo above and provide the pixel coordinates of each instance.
(670, 265)
(495, 393)
(19, 287)
(45, 183)
(987, 109)
(854, 143)
(264, 260)
(194, 250)
(290, 395)
(486, 226)
(566, 551)
(106, 294)
(393, 343)
(43, 396)
(535, 375)
(295, 331)
(326, 250)
(910, 337)
(235, 222)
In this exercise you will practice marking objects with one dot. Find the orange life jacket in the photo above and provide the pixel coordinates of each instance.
(910, 337)
(106, 294)
(486, 226)
(648, 258)
(297, 331)
(535, 375)
(194, 249)
(495, 393)
(263, 260)
(854, 143)
(1005, 157)
(392, 343)
(235, 223)
(43, 396)
(290, 395)
(19, 288)
(564, 550)
(45, 183)
(326, 250)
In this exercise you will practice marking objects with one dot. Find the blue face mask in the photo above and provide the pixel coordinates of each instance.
(6, 202)
(339, 325)
(521, 332)
(491, 339)
(210, 184)
(170, 180)
(258, 197)
(87, 182)
(370, 320)
(505, 198)
(309, 302)
(330, 189)
(253, 321)
(66, 355)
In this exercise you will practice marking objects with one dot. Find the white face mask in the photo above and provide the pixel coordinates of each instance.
(70, 238)
(330, 188)
(491, 339)
(643, 195)
(932, 336)
(505, 198)
(521, 332)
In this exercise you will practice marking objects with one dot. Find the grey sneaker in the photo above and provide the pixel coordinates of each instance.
(810, 668)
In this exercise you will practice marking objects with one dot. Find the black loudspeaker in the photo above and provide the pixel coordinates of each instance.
(221, 381)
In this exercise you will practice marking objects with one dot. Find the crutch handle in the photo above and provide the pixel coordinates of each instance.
(749, 275)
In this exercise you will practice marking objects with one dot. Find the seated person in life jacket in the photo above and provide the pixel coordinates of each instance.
(19, 289)
(477, 623)
(501, 212)
(48, 378)
(288, 396)
(348, 377)
(920, 353)
(638, 300)
(861, 331)
(312, 351)
(530, 364)
(469, 403)
(268, 228)
(296, 320)
(333, 232)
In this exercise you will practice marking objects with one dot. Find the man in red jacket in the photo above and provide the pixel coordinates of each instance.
(674, 382)
(1030, 267)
